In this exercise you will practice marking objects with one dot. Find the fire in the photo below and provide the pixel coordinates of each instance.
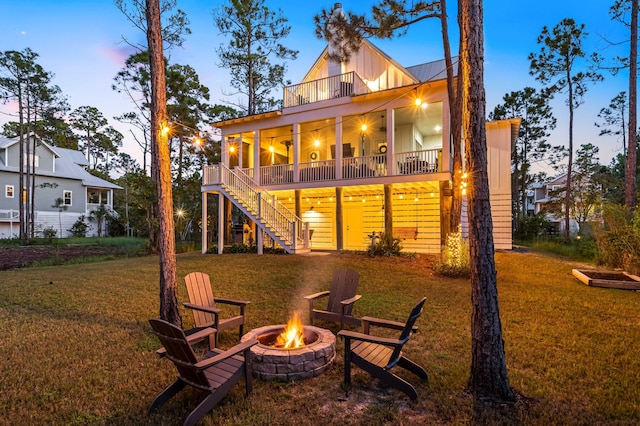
(293, 335)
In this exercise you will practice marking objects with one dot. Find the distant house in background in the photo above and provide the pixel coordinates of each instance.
(543, 194)
(59, 173)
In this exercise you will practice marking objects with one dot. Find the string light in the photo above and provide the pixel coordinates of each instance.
(463, 184)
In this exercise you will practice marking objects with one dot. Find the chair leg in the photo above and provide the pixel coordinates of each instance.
(248, 372)
(387, 377)
(167, 394)
(400, 384)
(409, 365)
(347, 362)
(203, 408)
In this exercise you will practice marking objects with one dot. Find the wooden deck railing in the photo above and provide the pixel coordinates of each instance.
(322, 89)
(368, 166)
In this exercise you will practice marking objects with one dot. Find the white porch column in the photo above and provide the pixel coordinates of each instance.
(296, 152)
(339, 147)
(256, 157)
(224, 150)
(239, 151)
(204, 222)
(447, 142)
(391, 119)
(220, 222)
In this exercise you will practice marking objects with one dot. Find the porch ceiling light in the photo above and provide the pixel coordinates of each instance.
(364, 127)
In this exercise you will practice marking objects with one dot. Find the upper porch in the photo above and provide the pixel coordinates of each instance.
(377, 168)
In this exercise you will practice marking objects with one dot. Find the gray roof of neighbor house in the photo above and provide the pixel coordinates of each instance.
(69, 165)
(432, 71)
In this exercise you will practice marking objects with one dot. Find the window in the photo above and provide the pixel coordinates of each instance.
(32, 159)
(97, 196)
(66, 198)
(8, 191)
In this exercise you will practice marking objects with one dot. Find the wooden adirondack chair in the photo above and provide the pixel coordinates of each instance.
(216, 373)
(378, 355)
(203, 305)
(342, 296)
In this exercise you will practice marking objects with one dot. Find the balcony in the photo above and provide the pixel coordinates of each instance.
(354, 168)
(323, 89)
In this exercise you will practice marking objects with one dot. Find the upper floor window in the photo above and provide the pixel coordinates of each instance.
(32, 159)
(8, 191)
(66, 198)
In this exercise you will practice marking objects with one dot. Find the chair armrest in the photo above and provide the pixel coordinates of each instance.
(241, 347)
(346, 334)
(201, 308)
(191, 338)
(231, 301)
(394, 325)
(351, 300)
(315, 296)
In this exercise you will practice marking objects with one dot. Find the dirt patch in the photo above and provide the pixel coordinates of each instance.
(20, 257)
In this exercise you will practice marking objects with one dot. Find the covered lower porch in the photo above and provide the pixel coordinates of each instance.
(351, 218)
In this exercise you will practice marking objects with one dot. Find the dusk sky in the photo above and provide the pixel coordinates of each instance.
(80, 42)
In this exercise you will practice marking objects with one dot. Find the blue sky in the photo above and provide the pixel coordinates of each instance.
(81, 43)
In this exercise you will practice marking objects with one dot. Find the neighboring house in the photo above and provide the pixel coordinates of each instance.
(359, 148)
(59, 173)
(547, 192)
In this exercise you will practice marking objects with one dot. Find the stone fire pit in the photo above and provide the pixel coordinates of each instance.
(271, 363)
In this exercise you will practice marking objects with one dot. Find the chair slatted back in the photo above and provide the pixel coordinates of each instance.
(343, 286)
(200, 293)
(179, 352)
(406, 331)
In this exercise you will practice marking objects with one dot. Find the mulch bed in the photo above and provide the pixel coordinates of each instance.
(20, 257)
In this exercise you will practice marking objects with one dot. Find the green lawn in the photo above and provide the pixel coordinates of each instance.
(76, 346)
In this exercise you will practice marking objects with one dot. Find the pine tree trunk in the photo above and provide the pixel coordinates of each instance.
(455, 112)
(630, 175)
(166, 241)
(567, 191)
(488, 379)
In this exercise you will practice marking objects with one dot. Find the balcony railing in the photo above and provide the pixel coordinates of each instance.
(368, 166)
(337, 86)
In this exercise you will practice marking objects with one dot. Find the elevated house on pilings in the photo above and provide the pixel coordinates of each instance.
(358, 149)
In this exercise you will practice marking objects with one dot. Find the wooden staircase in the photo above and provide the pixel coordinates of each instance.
(269, 214)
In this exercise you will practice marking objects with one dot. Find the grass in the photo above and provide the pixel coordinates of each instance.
(88, 241)
(77, 347)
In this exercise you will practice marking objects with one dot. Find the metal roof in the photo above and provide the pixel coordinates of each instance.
(69, 165)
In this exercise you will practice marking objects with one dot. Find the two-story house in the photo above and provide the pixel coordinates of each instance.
(59, 174)
(358, 148)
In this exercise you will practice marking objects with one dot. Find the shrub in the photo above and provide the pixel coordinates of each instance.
(386, 245)
(619, 240)
(531, 226)
(49, 233)
(79, 228)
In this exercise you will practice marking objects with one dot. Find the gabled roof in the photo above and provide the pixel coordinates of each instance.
(8, 142)
(69, 165)
(324, 57)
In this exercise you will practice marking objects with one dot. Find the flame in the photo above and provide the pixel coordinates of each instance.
(292, 336)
